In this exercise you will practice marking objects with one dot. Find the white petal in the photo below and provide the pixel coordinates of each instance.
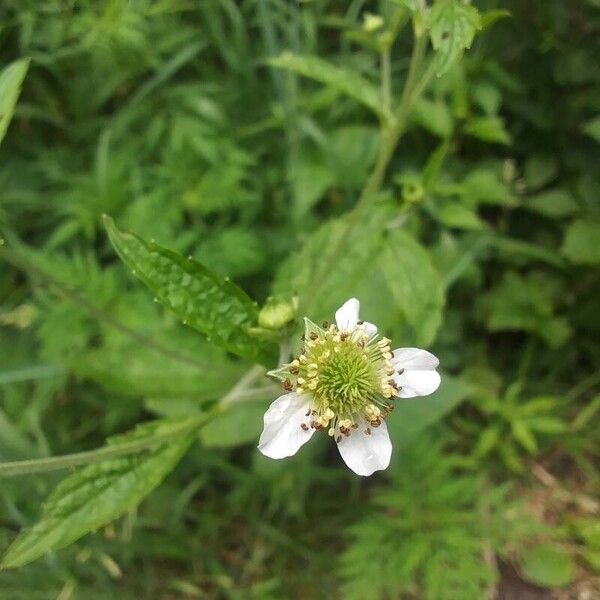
(283, 433)
(364, 453)
(370, 328)
(347, 315)
(414, 358)
(417, 382)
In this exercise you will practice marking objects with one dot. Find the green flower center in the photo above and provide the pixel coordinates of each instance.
(347, 374)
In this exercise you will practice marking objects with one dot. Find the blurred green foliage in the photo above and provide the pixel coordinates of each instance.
(242, 135)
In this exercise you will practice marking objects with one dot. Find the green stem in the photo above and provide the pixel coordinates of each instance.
(42, 465)
(391, 134)
(386, 80)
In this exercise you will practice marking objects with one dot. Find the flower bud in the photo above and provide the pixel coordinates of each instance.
(276, 314)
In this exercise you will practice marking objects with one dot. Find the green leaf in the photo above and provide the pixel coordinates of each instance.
(98, 494)
(344, 80)
(484, 186)
(553, 203)
(540, 170)
(11, 79)
(488, 129)
(351, 261)
(454, 214)
(592, 128)
(241, 424)
(548, 565)
(434, 116)
(581, 242)
(452, 28)
(201, 299)
(415, 283)
(412, 416)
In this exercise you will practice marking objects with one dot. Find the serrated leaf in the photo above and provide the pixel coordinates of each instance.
(201, 299)
(353, 263)
(344, 80)
(96, 495)
(415, 283)
(11, 79)
(452, 28)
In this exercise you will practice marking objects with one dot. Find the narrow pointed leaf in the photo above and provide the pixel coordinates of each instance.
(11, 79)
(200, 298)
(344, 80)
(98, 494)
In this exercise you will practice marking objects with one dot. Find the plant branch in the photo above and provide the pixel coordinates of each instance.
(53, 463)
(416, 82)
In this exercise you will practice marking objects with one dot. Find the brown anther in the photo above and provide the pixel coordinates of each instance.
(313, 424)
(400, 371)
(302, 337)
(354, 425)
(347, 432)
(304, 426)
(343, 337)
(313, 412)
(368, 431)
(375, 422)
(307, 413)
(343, 429)
(359, 322)
(313, 336)
(325, 324)
(338, 439)
(294, 370)
(287, 385)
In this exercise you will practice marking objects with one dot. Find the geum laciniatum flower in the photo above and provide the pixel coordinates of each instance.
(344, 381)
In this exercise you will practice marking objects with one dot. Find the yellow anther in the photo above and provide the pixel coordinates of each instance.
(301, 381)
(331, 432)
(322, 420)
(346, 423)
(329, 413)
(299, 390)
(312, 366)
(303, 358)
(312, 384)
(384, 342)
(295, 363)
(337, 338)
(387, 355)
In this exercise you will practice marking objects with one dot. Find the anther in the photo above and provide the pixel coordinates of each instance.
(325, 324)
(313, 336)
(287, 385)
(400, 371)
(338, 439)
(294, 370)
(304, 426)
(368, 431)
(301, 381)
(331, 432)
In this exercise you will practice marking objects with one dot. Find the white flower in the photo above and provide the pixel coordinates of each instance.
(344, 381)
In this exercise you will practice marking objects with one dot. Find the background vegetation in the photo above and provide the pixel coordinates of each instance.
(241, 134)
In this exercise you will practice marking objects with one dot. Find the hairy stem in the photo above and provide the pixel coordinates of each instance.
(53, 463)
